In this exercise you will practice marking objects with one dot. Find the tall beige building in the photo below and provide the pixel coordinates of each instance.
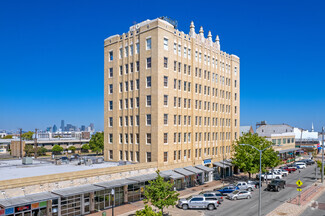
(170, 97)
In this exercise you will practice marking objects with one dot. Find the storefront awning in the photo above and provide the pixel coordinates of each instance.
(222, 165)
(193, 169)
(116, 183)
(184, 172)
(204, 168)
(226, 163)
(147, 177)
(65, 192)
(28, 199)
(172, 174)
(289, 150)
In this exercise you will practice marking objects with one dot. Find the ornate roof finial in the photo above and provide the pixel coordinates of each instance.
(192, 29)
(217, 42)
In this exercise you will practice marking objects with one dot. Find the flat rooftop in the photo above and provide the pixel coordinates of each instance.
(13, 169)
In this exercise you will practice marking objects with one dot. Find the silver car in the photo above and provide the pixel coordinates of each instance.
(198, 202)
(239, 194)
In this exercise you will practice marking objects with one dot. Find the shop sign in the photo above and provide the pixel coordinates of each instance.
(9, 211)
(35, 205)
(43, 204)
(207, 161)
(22, 208)
(2, 212)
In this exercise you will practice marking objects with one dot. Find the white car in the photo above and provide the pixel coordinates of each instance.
(270, 175)
(282, 172)
(300, 165)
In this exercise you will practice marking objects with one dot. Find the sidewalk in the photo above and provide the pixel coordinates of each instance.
(131, 208)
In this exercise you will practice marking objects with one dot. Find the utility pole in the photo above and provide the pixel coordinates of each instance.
(322, 155)
(35, 144)
(20, 142)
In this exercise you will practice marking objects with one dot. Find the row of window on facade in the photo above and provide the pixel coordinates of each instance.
(130, 138)
(283, 141)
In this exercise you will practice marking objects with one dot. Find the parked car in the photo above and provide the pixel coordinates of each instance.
(75, 157)
(270, 175)
(245, 186)
(256, 183)
(290, 169)
(276, 185)
(228, 189)
(300, 165)
(239, 194)
(198, 202)
(65, 160)
(307, 161)
(282, 172)
(216, 194)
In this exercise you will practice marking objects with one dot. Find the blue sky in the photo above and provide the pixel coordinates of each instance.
(51, 56)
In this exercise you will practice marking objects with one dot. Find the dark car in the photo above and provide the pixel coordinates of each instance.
(228, 189)
(307, 161)
(65, 159)
(276, 185)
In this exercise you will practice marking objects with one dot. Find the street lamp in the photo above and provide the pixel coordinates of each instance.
(260, 185)
(113, 193)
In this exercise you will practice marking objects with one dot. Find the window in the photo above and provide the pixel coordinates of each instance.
(111, 121)
(126, 120)
(148, 100)
(131, 67)
(110, 56)
(235, 83)
(137, 84)
(148, 119)
(110, 105)
(110, 138)
(148, 156)
(131, 50)
(165, 62)
(185, 52)
(148, 62)
(138, 66)
(131, 85)
(121, 53)
(185, 68)
(165, 81)
(121, 121)
(179, 66)
(179, 154)
(165, 119)
(111, 154)
(121, 70)
(126, 69)
(149, 82)
(137, 102)
(165, 156)
(175, 155)
(185, 154)
(126, 103)
(126, 51)
(175, 119)
(137, 48)
(189, 53)
(137, 120)
(148, 42)
(148, 138)
(165, 138)
(175, 84)
(189, 70)
(111, 72)
(175, 102)
(179, 50)
(121, 104)
(111, 88)
(165, 43)
(165, 100)
(126, 86)
(175, 48)
(126, 138)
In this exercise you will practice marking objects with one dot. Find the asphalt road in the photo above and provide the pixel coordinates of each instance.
(270, 200)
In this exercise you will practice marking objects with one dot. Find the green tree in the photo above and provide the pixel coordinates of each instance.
(248, 158)
(160, 193)
(96, 142)
(72, 149)
(29, 149)
(147, 211)
(28, 135)
(41, 151)
(85, 148)
(57, 149)
(7, 137)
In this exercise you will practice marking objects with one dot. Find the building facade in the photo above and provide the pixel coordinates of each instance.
(170, 97)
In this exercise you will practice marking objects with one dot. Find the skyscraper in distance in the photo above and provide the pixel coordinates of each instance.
(62, 125)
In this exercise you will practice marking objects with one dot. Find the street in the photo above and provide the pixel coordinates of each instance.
(270, 200)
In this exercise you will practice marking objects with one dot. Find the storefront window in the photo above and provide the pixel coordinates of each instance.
(71, 206)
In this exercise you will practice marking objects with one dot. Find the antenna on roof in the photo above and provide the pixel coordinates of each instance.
(171, 21)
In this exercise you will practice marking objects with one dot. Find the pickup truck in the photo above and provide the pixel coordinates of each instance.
(276, 185)
(245, 186)
(198, 202)
(269, 176)
(282, 172)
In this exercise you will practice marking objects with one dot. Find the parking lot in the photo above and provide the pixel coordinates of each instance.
(270, 200)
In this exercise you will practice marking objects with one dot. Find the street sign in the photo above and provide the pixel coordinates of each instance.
(299, 183)
(298, 189)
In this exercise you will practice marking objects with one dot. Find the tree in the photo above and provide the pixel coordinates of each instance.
(7, 137)
(57, 149)
(41, 151)
(85, 148)
(28, 135)
(160, 193)
(72, 149)
(147, 211)
(96, 142)
(248, 158)
(28, 150)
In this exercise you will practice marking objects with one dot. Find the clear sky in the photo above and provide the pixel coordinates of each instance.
(51, 56)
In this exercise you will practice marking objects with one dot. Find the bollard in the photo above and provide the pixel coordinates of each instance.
(104, 213)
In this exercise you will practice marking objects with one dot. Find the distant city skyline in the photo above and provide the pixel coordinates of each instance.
(52, 60)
